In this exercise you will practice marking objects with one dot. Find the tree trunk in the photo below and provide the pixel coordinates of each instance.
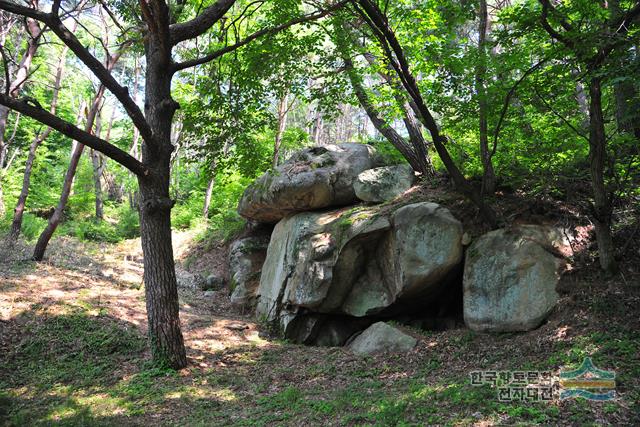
(418, 143)
(45, 236)
(602, 209)
(283, 110)
(76, 153)
(317, 127)
(16, 224)
(16, 84)
(98, 167)
(488, 175)
(98, 162)
(209, 193)
(378, 122)
(160, 284)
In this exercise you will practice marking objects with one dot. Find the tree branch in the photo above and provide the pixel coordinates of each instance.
(266, 31)
(507, 100)
(121, 93)
(38, 113)
(558, 115)
(546, 7)
(200, 24)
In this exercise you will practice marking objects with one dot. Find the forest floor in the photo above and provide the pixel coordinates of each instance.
(73, 352)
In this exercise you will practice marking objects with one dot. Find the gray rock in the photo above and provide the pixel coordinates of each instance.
(186, 280)
(382, 338)
(313, 178)
(383, 183)
(324, 330)
(246, 257)
(212, 283)
(359, 262)
(209, 294)
(510, 279)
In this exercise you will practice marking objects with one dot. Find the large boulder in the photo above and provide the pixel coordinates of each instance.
(359, 262)
(313, 178)
(383, 183)
(510, 279)
(382, 338)
(246, 258)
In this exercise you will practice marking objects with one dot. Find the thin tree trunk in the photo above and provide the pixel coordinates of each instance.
(602, 209)
(488, 175)
(98, 167)
(395, 54)
(45, 236)
(419, 145)
(378, 122)
(418, 142)
(16, 224)
(283, 110)
(16, 84)
(54, 221)
(317, 127)
(135, 151)
(209, 194)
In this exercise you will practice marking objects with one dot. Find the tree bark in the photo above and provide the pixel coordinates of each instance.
(418, 143)
(317, 127)
(602, 209)
(160, 284)
(378, 122)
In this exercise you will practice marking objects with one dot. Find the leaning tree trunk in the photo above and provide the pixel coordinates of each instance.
(160, 284)
(16, 224)
(54, 221)
(602, 209)
(395, 55)
(15, 86)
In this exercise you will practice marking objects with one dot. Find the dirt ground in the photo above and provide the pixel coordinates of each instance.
(72, 351)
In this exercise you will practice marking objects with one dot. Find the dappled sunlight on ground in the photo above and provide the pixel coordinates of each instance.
(73, 350)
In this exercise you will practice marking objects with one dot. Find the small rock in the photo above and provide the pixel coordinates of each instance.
(209, 294)
(381, 338)
(466, 239)
(237, 326)
(212, 282)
